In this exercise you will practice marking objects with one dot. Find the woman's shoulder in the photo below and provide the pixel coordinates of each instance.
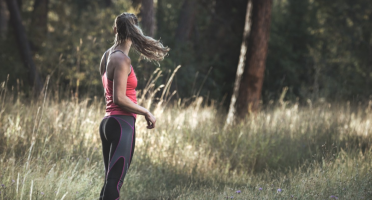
(120, 59)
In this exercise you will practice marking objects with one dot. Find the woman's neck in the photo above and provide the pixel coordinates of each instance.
(125, 47)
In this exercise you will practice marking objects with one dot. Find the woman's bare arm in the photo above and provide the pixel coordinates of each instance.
(121, 71)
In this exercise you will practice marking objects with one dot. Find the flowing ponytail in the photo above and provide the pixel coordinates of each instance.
(149, 48)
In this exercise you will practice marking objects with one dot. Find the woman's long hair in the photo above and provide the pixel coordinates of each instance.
(149, 48)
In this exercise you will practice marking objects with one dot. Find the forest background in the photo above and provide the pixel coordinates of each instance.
(317, 49)
(309, 139)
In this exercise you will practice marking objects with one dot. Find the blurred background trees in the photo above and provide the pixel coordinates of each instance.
(317, 49)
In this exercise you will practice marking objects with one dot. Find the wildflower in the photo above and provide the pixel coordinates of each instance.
(333, 197)
(292, 196)
(2, 185)
(42, 193)
(238, 192)
(87, 159)
(279, 190)
(13, 181)
(260, 189)
(231, 197)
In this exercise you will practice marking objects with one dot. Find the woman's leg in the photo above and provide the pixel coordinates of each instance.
(118, 135)
(106, 151)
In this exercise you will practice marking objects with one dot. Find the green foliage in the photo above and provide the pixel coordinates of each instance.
(76, 43)
(78, 34)
(288, 62)
(320, 49)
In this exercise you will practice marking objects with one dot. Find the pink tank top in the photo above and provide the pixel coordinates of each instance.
(111, 107)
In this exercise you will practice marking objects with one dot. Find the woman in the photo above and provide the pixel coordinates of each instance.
(117, 129)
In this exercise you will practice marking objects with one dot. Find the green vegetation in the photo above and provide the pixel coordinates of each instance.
(50, 149)
(317, 49)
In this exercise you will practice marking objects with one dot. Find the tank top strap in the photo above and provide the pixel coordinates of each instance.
(105, 65)
(131, 69)
(104, 55)
(117, 51)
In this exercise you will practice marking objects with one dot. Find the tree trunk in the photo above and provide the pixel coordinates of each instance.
(160, 16)
(148, 17)
(23, 45)
(108, 3)
(239, 72)
(148, 25)
(20, 3)
(4, 18)
(253, 75)
(186, 21)
(38, 30)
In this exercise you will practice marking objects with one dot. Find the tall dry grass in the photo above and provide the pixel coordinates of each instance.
(50, 149)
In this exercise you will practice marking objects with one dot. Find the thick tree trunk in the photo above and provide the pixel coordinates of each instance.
(159, 15)
(23, 45)
(38, 30)
(186, 21)
(239, 72)
(148, 25)
(108, 3)
(148, 17)
(253, 75)
(4, 18)
(20, 3)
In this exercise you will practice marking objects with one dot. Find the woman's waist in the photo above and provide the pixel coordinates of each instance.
(112, 112)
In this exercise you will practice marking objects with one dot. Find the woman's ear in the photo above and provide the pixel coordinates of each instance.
(114, 30)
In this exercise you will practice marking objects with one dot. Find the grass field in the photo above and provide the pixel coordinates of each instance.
(50, 149)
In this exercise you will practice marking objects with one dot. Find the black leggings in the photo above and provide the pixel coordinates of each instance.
(118, 139)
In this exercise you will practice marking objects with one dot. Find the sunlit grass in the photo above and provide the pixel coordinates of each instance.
(50, 149)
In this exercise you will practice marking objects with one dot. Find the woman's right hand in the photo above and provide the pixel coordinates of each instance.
(150, 120)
